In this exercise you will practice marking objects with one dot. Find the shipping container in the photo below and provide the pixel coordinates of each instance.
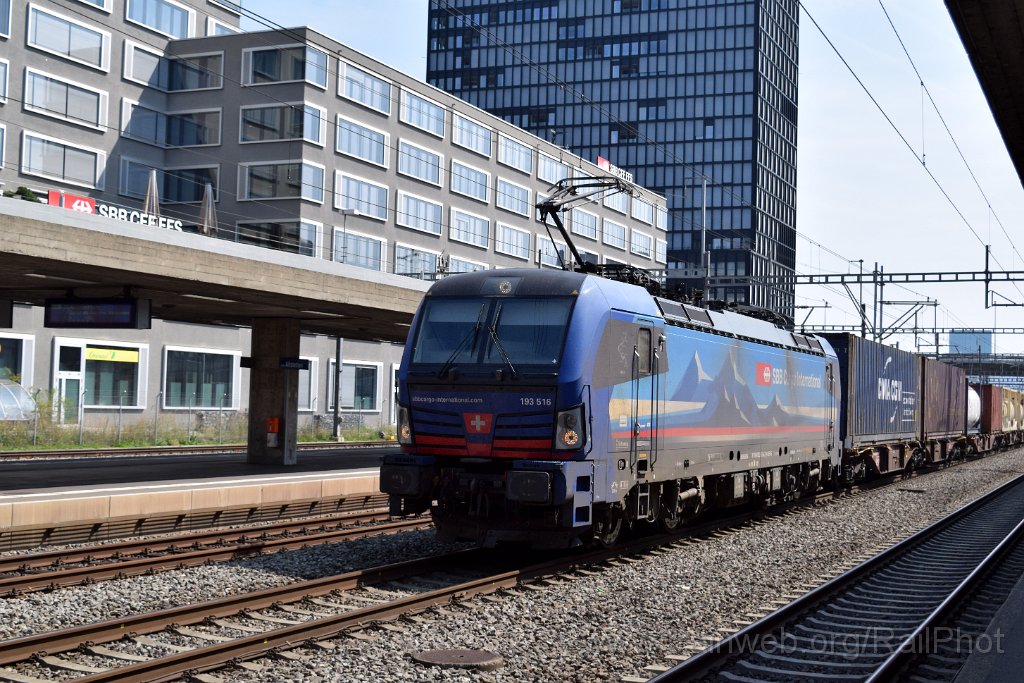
(991, 409)
(943, 400)
(879, 392)
(1011, 410)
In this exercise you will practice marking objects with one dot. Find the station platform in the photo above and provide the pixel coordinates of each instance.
(998, 655)
(90, 498)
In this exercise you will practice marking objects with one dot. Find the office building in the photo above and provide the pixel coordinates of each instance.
(677, 92)
(303, 144)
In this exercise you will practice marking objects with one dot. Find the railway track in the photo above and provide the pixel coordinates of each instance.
(195, 638)
(54, 569)
(204, 449)
(886, 614)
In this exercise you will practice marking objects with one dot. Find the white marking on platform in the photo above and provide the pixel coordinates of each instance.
(192, 483)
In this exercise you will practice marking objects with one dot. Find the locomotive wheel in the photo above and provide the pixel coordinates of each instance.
(608, 529)
(669, 522)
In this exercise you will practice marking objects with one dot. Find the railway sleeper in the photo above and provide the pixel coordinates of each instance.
(802, 674)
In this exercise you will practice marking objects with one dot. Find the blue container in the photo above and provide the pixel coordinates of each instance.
(881, 392)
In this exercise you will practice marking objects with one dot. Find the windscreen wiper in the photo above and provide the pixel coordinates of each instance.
(497, 342)
(462, 344)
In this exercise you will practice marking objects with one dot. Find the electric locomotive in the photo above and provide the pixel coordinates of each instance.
(557, 408)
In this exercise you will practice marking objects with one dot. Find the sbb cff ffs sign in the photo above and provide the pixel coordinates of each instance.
(89, 205)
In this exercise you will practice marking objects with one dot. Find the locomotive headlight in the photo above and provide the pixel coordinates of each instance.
(569, 433)
(404, 428)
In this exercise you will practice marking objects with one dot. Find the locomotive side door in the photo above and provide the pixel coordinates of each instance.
(830, 404)
(643, 416)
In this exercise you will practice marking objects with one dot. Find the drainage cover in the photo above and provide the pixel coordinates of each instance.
(462, 659)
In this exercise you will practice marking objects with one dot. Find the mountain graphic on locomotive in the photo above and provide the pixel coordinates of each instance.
(558, 408)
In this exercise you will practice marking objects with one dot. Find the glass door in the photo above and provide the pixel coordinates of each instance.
(69, 385)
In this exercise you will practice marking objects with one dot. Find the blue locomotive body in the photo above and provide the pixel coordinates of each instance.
(556, 408)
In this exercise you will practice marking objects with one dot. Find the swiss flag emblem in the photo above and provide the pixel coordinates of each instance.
(478, 423)
(764, 374)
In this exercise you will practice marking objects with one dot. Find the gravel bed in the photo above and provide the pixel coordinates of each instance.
(593, 628)
(605, 627)
(80, 605)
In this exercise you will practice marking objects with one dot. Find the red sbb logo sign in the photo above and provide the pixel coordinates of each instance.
(763, 374)
(71, 201)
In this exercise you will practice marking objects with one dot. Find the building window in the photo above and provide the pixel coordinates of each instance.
(661, 251)
(550, 253)
(358, 388)
(419, 214)
(365, 88)
(359, 250)
(512, 197)
(416, 263)
(55, 159)
(111, 375)
(512, 241)
(643, 211)
(471, 135)
(361, 142)
(470, 229)
(173, 74)
(5, 18)
(614, 234)
(283, 122)
(419, 163)
(51, 96)
(470, 181)
(169, 18)
(286, 180)
(458, 265)
(551, 170)
(368, 198)
(199, 379)
(297, 237)
(3, 145)
(4, 68)
(219, 28)
(188, 185)
(181, 129)
(661, 218)
(584, 223)
(515, 154)
(640, 244)
(68, 38)
(617, 201)
(307, 388)
(286, 64)
(422, 113)
(16, 357)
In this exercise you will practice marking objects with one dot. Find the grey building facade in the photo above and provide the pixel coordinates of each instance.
(304, 146)
(697, 98)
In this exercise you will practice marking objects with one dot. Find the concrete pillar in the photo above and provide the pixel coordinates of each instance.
(273, 392)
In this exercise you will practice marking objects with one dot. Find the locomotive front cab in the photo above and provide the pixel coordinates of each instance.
(492, 416)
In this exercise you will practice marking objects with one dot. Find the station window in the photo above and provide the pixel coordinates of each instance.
(551, 170)
(469, 228)
(419, 213)
(614, 234)
(422, 113)
(515, 154)
(307, 388)
(55, 97)
(296, 121)
(362, 142)
(359, 250)
(416, 263)
(550, 253)
(420, 163)
(512, 197)
(470, 181)
(584, 223)
(16, 356)
(285, 180)
(512, 241)
(59, 160)
(471, 135)
(169, 18)
(297, 237)
(365, 88)
(366, 197)
(4, 68)
(284, 64)
(358, 388)
(5, 18)
(99, 374)
(68, 38)
(199, 378)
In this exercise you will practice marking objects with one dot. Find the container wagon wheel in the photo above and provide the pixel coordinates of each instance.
(670, 521)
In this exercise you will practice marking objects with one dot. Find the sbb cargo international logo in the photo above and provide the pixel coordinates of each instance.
(764, 374)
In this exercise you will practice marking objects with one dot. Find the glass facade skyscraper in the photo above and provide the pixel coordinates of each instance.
(684, 94)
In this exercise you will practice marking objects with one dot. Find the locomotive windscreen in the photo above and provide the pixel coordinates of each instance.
(492, 331)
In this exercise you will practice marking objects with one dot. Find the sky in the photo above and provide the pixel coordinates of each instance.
(863, 190)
